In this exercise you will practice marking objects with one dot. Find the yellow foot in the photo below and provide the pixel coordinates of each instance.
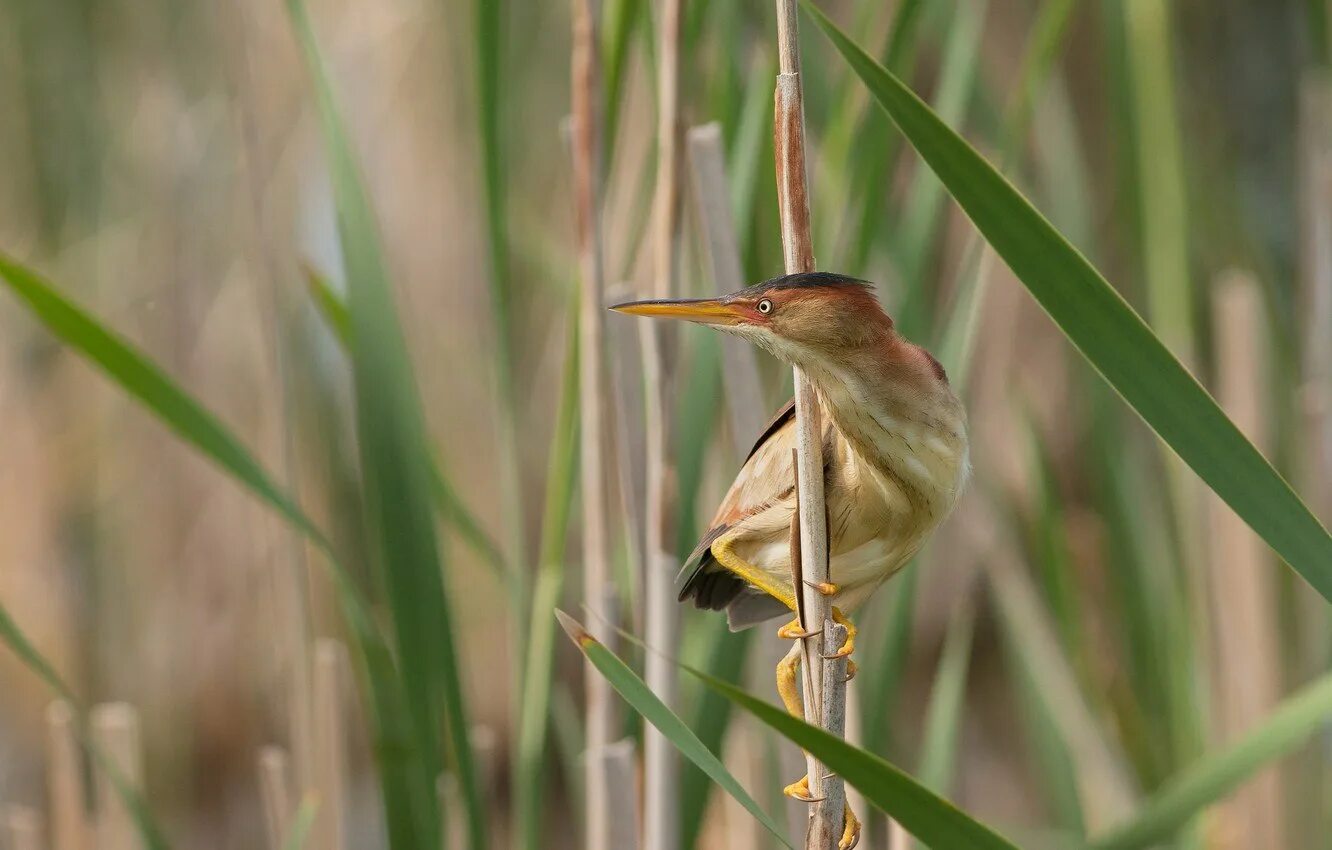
(850, 832)
(825, 588)
(851, 829)
(792, 631)
(800, 791)
(851, 669)
(850, 645)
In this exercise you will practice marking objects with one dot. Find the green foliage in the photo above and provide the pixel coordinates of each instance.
(1096, 319)
(636, 692)
(399, 505)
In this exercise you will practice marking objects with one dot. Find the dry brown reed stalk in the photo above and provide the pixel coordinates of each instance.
(1315, 187)
(826, 816)
(70, 828)
(745, 408)
(115, 732)
(1315, 199)
(661, 761)
(330, 768)
(1246, 649)
(22, 828)
(586, 149)
(275, 794)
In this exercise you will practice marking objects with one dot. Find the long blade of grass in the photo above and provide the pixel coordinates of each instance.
(636, 692)
(392, 441)
(561, 475)
(452, 507)
(1213, 776)
(923, 813)
(157, 393)
(1101, 324)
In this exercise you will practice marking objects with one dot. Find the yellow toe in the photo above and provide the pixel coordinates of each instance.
(850, 832)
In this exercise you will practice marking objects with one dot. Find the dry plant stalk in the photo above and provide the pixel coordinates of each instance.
(586, 149)
(70, 829)
(22, 828)
(1245, 637)
(115, 731)
(617, 760)
(744, 397)
(661, 762)
(815, 611)
(275, 794)
(1315, 198)
(330, 767)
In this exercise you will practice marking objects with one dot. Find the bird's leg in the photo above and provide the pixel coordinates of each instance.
(787, 686)
(789, 690)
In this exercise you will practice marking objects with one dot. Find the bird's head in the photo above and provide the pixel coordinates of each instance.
(803, 319)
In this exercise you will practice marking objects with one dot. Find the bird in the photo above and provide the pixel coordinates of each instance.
(896, 458)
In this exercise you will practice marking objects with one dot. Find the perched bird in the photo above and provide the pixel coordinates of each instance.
(895, 455)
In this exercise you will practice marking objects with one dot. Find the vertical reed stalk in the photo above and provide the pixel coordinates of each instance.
(815, 612)
(70, 829)
(1245, 637)
(115, 732)
(330, 775)
(661, 789)
(1315, 187)
(601, 720)
(744, 395)
(22, 828)
(275, 794)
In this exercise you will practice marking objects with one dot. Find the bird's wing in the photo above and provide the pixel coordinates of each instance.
(767, 476)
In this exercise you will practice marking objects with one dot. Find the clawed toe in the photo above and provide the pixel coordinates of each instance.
(800, 791)
(851, 832)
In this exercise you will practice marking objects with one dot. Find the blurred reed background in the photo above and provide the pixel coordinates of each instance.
(1088, 625)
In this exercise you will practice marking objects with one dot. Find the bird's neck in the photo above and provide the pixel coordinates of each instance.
(893, 406)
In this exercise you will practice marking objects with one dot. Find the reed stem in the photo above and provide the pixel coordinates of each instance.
(661, 761)
(815, 612)
(586, 149)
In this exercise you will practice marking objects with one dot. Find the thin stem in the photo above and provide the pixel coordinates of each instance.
(815, 612)
(601, 720)
(661, 825)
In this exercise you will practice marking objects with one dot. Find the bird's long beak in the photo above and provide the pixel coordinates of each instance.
(707, 311)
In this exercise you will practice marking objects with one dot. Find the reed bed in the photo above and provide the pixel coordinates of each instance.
(347, 257)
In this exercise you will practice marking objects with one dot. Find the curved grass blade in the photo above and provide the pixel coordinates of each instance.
(1101, 324)
(1213, 776)
(151, 386)
(923, 813)
(455, 511)
(636, 692)
(157, 393)
(392, 442)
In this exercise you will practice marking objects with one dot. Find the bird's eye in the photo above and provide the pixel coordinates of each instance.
(765, 306)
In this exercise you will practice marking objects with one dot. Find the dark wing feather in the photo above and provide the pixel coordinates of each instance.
(711, 586)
